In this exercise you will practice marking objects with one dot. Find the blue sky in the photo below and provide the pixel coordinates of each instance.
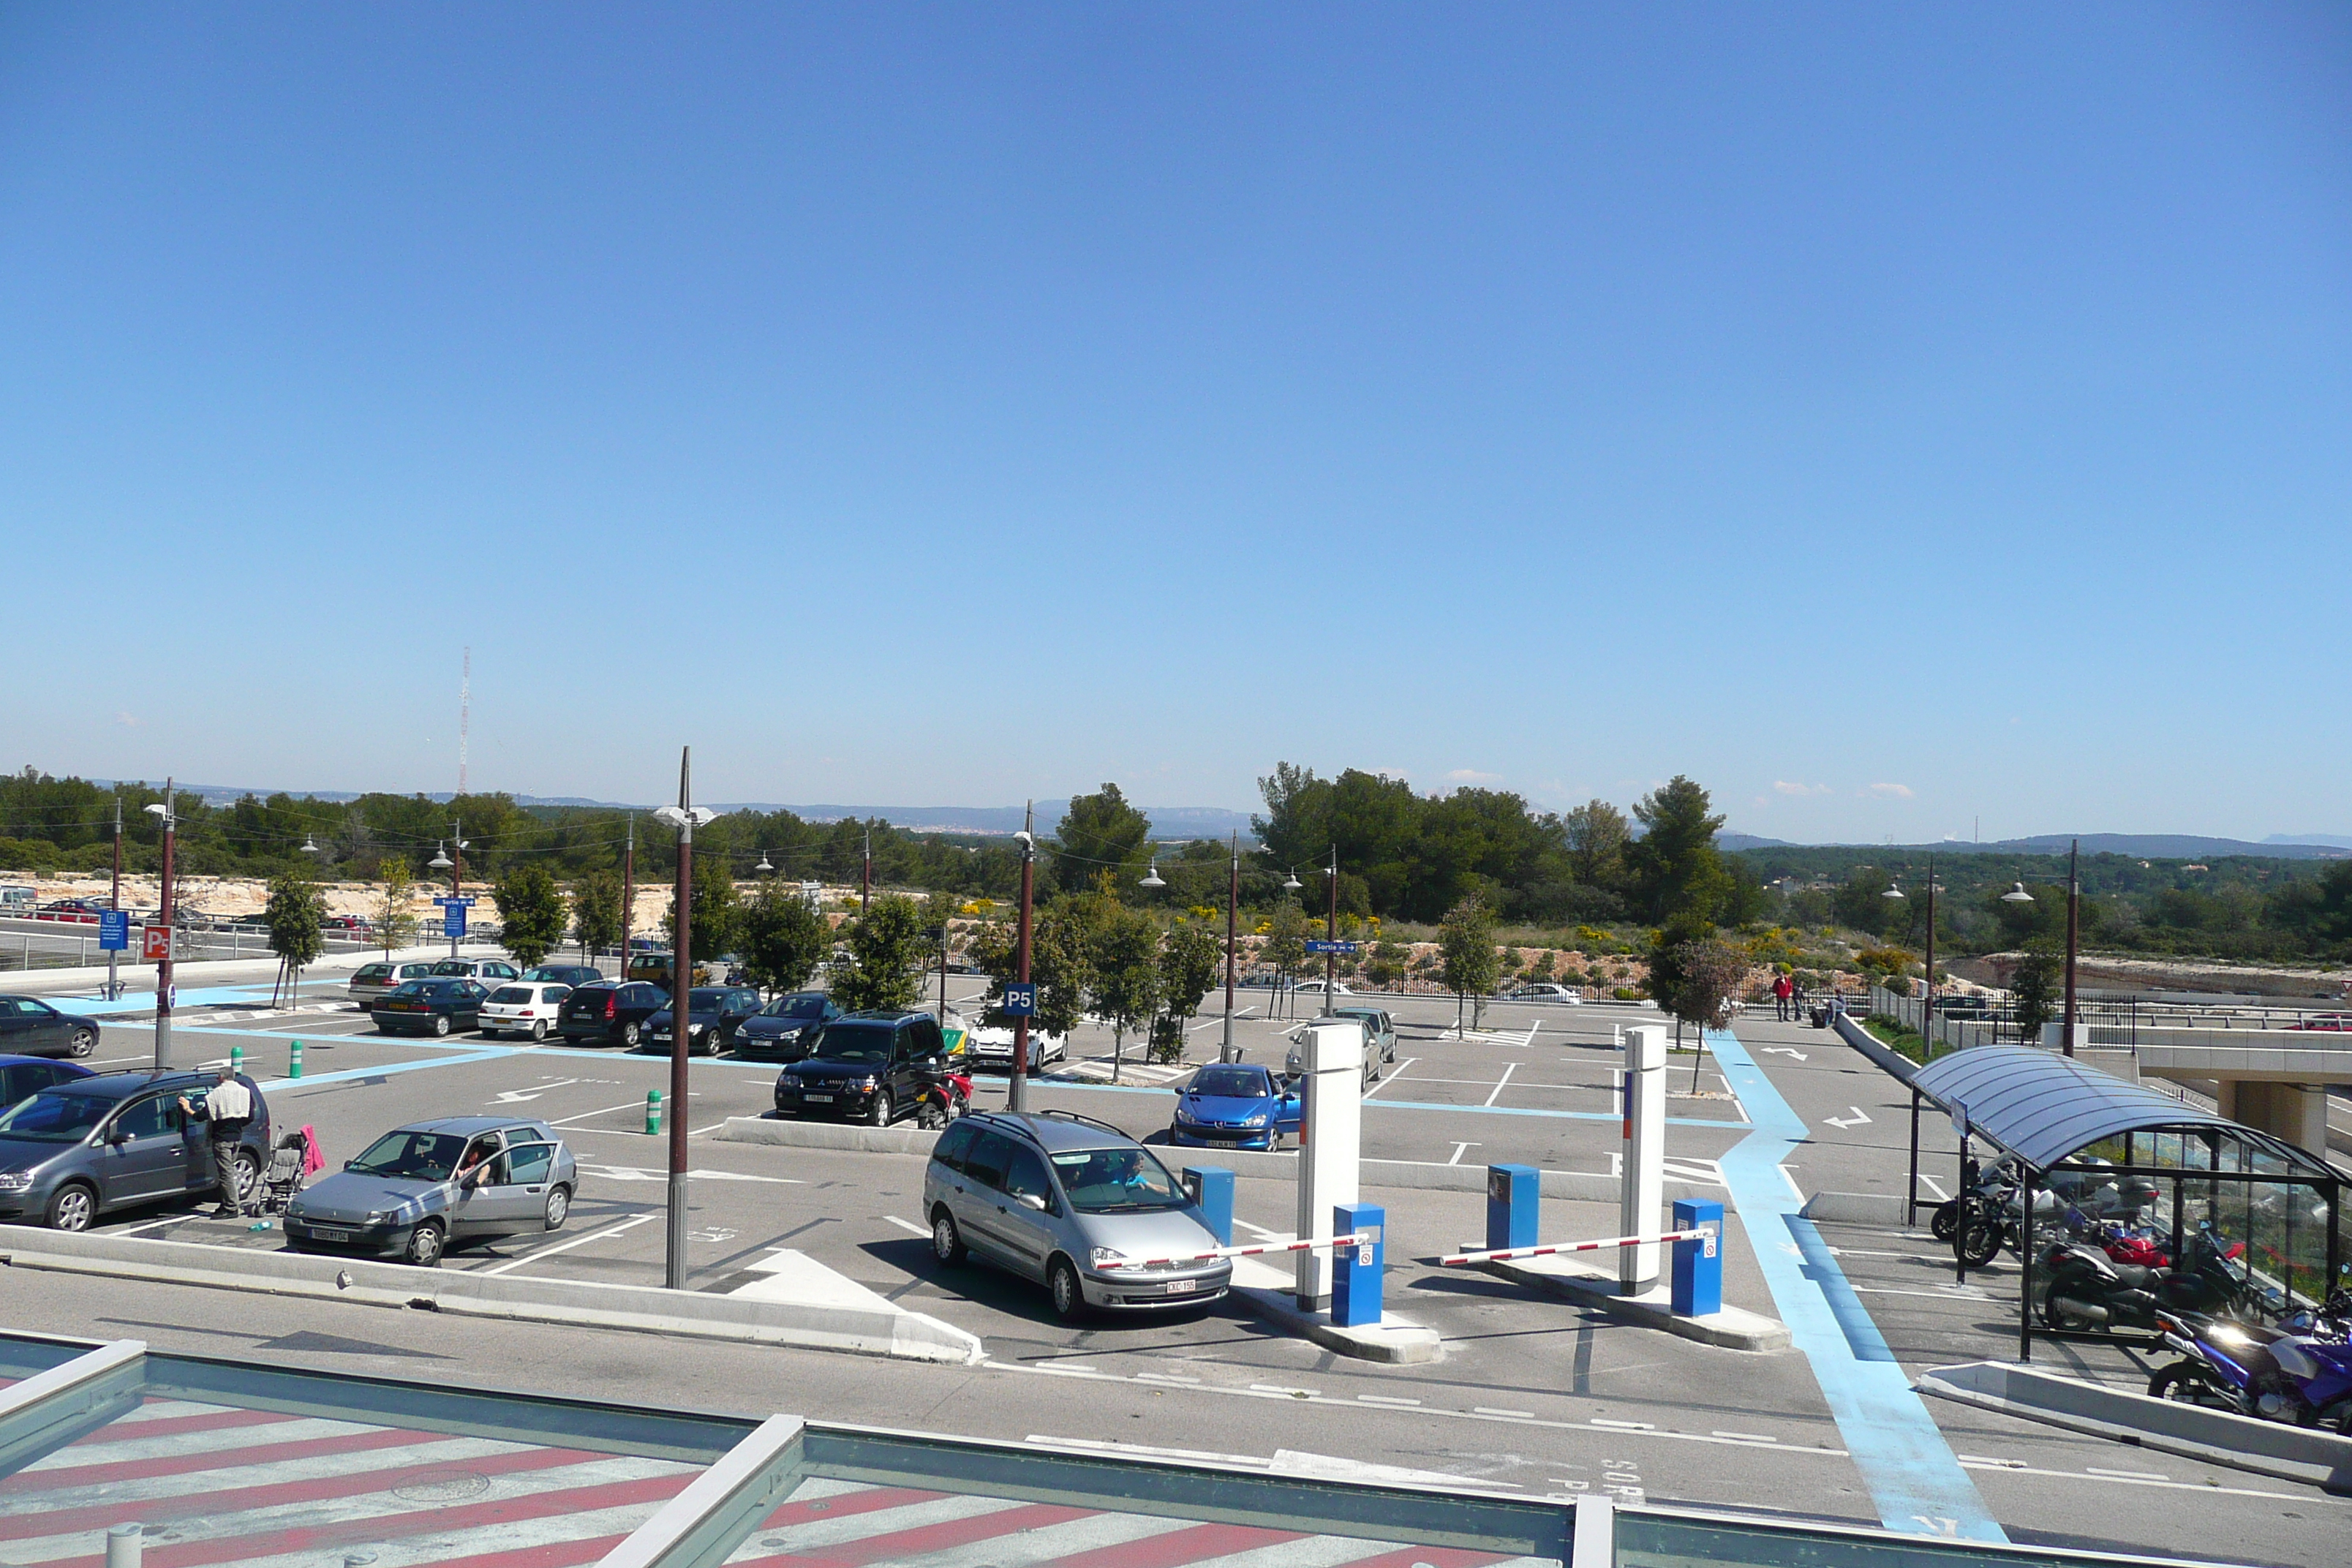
(1893, 417)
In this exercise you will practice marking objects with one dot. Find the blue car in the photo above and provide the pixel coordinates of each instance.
(1235, 1106)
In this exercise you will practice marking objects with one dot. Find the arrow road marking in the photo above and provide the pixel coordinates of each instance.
(1857, 1120)
(1785, 1051)
(518, 1096)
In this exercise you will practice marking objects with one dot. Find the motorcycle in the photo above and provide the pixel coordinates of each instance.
(2088, 1290)
(1976, 1183)
(946, 1094)
(2299, 1373)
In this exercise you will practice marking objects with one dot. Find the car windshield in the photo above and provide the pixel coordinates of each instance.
(415, 988)
(512, 994)
(795, 1007)
(1116, 1181)
(454, 966)
(857, 1042)
(373, 972)
(706, 998)
(418, 1156)
(1231, 1083)
(52, 1118)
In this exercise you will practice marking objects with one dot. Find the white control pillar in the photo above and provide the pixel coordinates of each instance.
(1330, 1142)
(1642, 1192)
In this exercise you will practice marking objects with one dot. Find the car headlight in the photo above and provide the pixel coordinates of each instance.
(1183, 1113)
(866, 1083)
(1106, 1256)
(788, 1081)
(1255, 1119)
(381, 1216)
(14, 1180)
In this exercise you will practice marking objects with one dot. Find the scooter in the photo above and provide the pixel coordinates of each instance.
(946, 1094)
(2299, 1373)
(2088, 1290)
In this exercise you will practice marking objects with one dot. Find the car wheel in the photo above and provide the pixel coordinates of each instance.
(72, 1207)
(248, 1179)
(84, 1041)
(440, 1023)
(559, 1206)
(880, 1115)
(947, 1242)
(538, 1030)
(628, 1036)
(424, 1248)
(1069, 1301)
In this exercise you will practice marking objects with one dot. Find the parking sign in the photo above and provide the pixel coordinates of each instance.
(113, 930)
(1021, 999)
(155, 944)
(453, 920)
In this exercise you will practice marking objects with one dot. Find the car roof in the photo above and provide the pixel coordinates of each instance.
(122, 1085)
(881, 1015)
(466, 1126)
(1055, 1134)
(75, 1069)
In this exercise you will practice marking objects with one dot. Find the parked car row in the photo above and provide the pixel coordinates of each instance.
(32, 1027)
(88, 1143)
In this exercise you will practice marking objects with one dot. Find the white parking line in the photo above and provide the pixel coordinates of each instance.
(629, 1223)
(149, 1225)
(1396, 1073)
(625, 1105)
(1508, 1069)
(909, 1226)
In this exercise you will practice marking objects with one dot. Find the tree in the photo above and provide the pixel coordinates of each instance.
(1187, 968)
(1126, 976)
(783, 938)
(393, 922)
(1100, 832)
(1707, 975)
(1388, 961)
(530, 909)
(885, 949)
(1465, 942)
(1597, 835)
(717, 912)
(1286, 943)
(1675, 867)
(294, 915)
(2037, 986)
(596, 912)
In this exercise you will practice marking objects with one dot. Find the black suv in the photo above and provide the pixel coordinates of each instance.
(610, 1013)
(867, 1066)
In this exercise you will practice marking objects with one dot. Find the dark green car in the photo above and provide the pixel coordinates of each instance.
(429, 1007)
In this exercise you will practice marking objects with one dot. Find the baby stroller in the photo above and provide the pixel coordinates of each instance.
(290, 1164)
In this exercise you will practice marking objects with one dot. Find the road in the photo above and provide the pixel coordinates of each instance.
(1532, 1394)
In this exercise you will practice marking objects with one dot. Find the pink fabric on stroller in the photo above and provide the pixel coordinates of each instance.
(313, 1161)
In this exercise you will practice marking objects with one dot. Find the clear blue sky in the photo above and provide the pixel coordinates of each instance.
(1888, 416)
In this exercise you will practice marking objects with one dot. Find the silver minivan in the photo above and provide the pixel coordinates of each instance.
(1066, 1201)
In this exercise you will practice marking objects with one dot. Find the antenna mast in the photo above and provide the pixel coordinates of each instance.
(465, 717)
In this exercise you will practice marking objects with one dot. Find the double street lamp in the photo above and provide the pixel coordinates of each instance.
(684, 817)
(163, 963)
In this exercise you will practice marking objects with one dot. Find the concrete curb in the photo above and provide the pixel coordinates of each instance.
(1856, 1208)
(1733, 1329)
(1398, 1341)
(642, 1308)
(1894, 1063)
(2217, 1437)
(827, 1135)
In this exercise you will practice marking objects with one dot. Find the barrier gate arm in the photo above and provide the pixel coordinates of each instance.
(1704, 1233)
(1355, 1238)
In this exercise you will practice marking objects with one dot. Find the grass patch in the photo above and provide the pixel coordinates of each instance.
(1906, 1042)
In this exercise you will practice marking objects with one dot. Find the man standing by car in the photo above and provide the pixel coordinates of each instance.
(227, 1108)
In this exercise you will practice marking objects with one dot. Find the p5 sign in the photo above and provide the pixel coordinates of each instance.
(155, 944)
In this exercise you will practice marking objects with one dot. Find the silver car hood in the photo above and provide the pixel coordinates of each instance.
(348, 1198)
(1151, 1233)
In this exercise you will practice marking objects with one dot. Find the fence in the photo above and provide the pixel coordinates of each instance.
(2115, 1022)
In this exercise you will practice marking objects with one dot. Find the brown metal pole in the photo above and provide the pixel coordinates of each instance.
(170, 937)
(457, 873)
(866, 875)
(1233, 946)
(628, 893)
(2074, 891)
(114, 901)
(681, 1006)
(1331, 928)
(1017, 1094)
(1928, 1013)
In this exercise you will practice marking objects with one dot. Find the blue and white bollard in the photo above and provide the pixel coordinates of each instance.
(1514, 1205)
(1699, 1265)
(1212, 1188)
(1356, 1270)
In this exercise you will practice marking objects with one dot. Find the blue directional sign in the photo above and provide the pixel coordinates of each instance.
(446, 900)
(453, 918)
(1021, 999)
(113, 930)
(1338, 947)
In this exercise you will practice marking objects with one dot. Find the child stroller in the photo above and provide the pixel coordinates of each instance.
(289, 1167)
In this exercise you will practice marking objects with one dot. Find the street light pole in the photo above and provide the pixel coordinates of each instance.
(458, 876)
(1331, 929)
(684, 816)
(114, 901)
(2074, 934)
(1233, 944)
(1928, 1013)
(171, 934)
(865, 876)
(628, 892)
(1016, 1094)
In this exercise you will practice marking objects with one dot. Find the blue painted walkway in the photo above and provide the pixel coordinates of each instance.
(1913, 1476)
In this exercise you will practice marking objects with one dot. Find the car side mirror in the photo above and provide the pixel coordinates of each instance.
(1032, 1200)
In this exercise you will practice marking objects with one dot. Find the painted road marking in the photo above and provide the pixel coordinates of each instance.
(1508, 1069)
(1458, 1148)
(1396, 1073)
(1859, 1117)
(1895, 1443)
(909, 1226)
(1506, 1414)
(629, 1223)
(520, 1096)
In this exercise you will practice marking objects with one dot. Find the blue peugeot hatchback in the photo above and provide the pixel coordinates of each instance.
(1233, 1105)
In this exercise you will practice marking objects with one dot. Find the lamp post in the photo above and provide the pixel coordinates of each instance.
(2016, 895)
(163, 963)
(686, 817)
(114, 901)
(2073, 931)
(1233, 947)
(865, 876)
(628, 890)
(1289, 1000)
(441, 861)
(1331, 928)
(1016, 1093)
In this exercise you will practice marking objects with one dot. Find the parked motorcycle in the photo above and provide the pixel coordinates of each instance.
(2088, 1290)
(946, 1096)
(2299, 1373)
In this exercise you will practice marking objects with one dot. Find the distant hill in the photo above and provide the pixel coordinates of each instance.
(2334, 840)
(2144, 846)
(1167, 821)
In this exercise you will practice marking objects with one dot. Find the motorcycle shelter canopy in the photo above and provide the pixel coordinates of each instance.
(2042, 1107)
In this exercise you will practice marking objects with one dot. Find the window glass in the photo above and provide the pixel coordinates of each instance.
(928, 1042)
(990, 1152)
(1115, 1180)
(1026, 1177)
(147, 1118)
(421, 1157)
(558, 993)
(953, 1145)
(1232, 1082)
(511, 994)
(531, 1165)
(51, 1117)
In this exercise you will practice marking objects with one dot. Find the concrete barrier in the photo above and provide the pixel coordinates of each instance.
(644, 1308)
(1587, 1187)
(1892, 1061)
(2217, 1437)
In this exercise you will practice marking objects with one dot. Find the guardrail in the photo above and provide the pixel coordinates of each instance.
(1359, 1240)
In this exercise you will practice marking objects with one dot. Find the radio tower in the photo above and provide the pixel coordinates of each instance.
(465, 716)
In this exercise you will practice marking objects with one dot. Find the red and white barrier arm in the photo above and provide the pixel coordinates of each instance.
(1361, 1238)
(1611, 1243)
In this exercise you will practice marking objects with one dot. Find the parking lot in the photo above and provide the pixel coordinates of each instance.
(1532, 1393)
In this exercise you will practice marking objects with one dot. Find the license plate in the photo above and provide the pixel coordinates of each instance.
(330, 1233)
(818, 1098)
(1179, 1288)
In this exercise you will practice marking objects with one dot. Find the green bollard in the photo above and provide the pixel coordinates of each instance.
(294, 1061)
(653, 1112)
(236, 1058)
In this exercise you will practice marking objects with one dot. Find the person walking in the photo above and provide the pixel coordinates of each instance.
(227, 1111)
(1783, 988)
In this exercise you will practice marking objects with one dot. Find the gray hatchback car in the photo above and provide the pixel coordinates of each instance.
(424, 1188)
(1064, 1201)
(79, 1149)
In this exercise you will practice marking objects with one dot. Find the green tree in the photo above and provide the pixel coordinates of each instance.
(1126, 963)
(596, 912)
(1285, 948)
(1675, 867)
(395, 925)
(718, 914)
(1388, 961)
(1597, 834)
(2038, 987)
(1465, 943)
(783, 937)
(1100, 832)
(295, 914)
(530, 909)
(1706, 977)
(1187, 968)
(884, 958)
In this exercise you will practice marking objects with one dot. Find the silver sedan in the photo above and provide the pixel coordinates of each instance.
(424, 1188)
